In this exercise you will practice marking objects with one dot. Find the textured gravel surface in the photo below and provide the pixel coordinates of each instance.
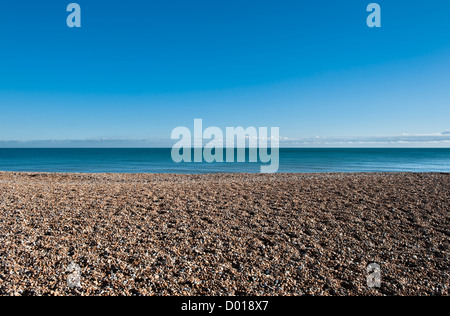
(284, 234)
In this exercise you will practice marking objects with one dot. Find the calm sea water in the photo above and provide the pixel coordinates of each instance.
(159, 161)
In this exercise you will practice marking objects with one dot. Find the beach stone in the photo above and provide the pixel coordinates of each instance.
(74, 277)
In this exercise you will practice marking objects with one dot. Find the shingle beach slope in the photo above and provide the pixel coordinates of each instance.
(284, 234)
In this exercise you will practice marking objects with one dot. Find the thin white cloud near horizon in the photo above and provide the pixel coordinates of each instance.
(439, 140)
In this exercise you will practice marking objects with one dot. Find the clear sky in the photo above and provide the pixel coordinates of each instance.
(138, 69)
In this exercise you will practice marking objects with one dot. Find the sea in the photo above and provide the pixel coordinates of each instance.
(159, 160)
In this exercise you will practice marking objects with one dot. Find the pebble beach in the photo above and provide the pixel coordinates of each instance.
(224, 234)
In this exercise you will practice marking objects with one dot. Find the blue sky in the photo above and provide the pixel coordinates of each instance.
(137, 69)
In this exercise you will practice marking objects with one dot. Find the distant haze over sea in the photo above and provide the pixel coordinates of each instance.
(438, 140)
